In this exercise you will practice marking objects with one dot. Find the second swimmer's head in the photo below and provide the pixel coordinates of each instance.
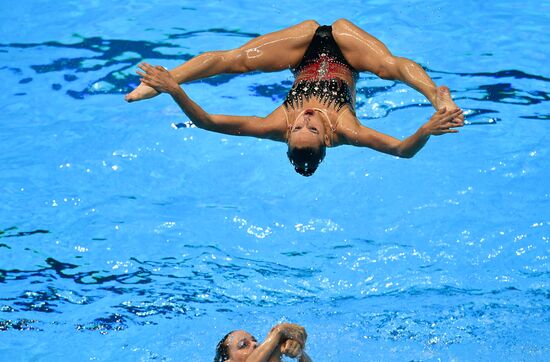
(235, 346)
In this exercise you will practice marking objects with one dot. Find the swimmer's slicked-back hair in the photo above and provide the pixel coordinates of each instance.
(222, 349)
(306, 160)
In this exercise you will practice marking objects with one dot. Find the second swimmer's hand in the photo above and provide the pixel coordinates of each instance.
(291, 348)
(158, 78)
(291, 331)
(443, 121)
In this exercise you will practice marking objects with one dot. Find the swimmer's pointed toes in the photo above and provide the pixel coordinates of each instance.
(141, 92)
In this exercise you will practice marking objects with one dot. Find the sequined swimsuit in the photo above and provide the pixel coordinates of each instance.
(319, 73)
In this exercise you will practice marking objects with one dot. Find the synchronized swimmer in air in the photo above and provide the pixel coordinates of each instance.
(319, 110)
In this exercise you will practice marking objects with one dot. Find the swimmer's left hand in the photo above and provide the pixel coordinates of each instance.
(158, 78)
(443, 121)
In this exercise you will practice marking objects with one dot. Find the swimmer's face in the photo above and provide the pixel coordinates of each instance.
(240, 345)
(308, 130)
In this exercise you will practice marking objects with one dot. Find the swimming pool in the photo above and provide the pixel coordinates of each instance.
(126, 236)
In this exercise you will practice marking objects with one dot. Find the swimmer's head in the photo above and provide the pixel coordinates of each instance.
(235, 346)
(307, 141)
(306, 159)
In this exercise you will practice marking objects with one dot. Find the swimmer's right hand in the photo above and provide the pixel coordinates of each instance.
(158, 78)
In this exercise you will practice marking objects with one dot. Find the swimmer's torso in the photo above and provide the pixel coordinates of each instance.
(324, 80)
(323, 74)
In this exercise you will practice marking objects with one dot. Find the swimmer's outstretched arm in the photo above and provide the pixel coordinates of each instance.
(271, 127)
(441, 122)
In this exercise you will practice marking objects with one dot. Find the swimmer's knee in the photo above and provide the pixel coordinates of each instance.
(387, 68)
(237, 61)
(310, 24)
(340, 23)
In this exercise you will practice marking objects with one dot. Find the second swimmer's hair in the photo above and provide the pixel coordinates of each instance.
(222, 349)
(306, 160)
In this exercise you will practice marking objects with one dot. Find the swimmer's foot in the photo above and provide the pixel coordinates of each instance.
(444, 99)
(140, 93)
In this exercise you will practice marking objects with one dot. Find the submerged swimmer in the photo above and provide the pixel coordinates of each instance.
(319, 110)
(284, 339)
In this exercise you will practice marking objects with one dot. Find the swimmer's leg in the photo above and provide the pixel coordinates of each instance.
(268, 53)
(366, 53)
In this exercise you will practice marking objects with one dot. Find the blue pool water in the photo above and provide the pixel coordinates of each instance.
(127, 237)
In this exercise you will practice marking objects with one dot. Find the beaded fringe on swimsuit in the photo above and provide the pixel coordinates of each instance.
(329, 91)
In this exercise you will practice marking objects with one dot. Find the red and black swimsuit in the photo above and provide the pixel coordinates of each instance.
(318, 74)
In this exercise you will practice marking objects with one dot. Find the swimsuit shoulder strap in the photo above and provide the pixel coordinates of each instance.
(287, 119)
(334, 127)
(287, 122)
(340, 116)
(331, 126)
